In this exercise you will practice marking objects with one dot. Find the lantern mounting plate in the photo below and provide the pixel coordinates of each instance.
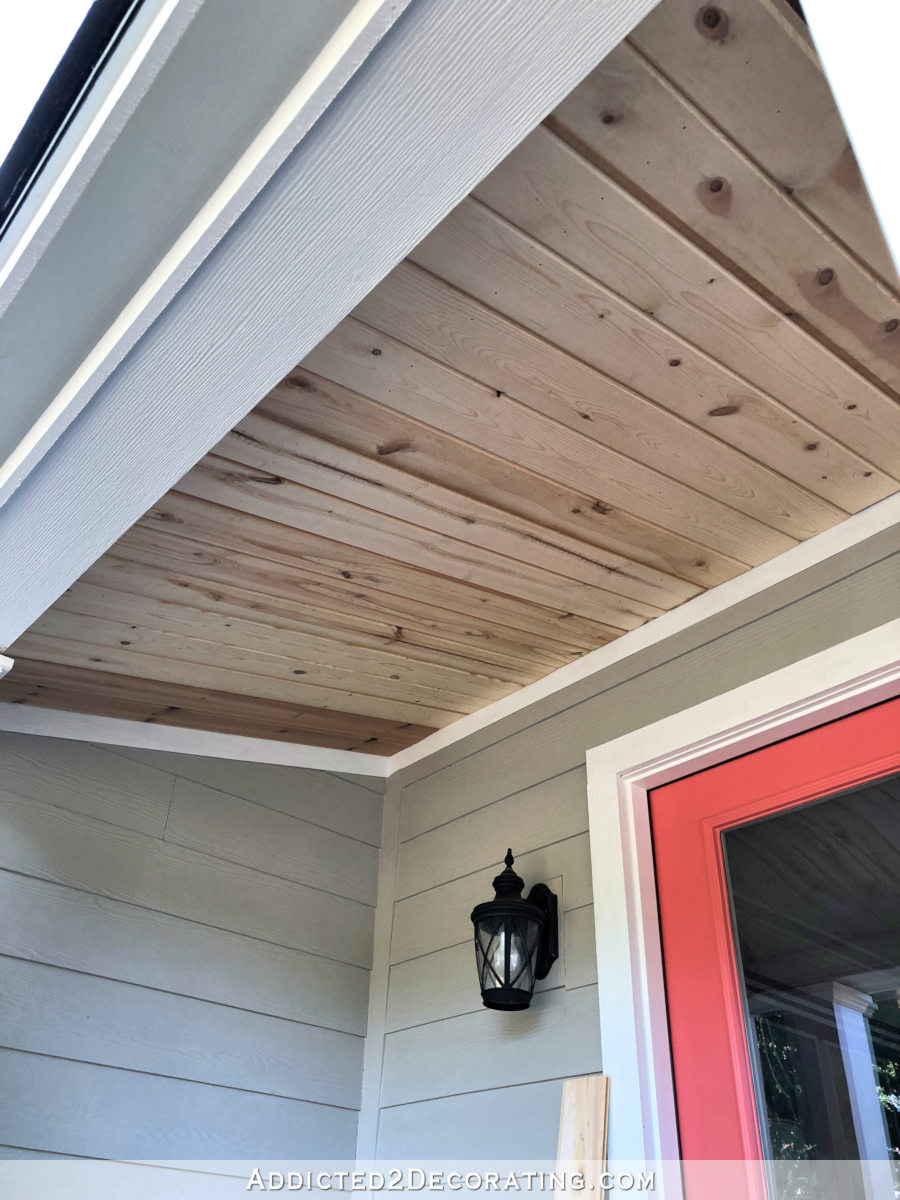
(548, 951)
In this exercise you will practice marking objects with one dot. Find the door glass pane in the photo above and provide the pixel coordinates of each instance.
(815, 896)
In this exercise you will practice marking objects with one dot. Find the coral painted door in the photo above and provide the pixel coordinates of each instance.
(778, 877)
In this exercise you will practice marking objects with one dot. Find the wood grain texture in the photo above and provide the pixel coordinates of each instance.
(104, 1112)
(68, 1014)
(583, 1129)
(523, 1050)
(81, 852)
(72, 928)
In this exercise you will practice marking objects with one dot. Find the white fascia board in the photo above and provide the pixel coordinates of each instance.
(338, 60)
(875, 519)
(143, 735)
(452, 89)
(859, 46)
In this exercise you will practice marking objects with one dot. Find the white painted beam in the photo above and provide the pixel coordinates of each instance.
(452, 88)
(859, 46)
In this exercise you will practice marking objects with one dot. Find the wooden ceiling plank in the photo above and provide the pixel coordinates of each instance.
(313, 404)
(184, 664)
(760, 80)
(35, 681)
(254, 631)
(147, 559)
(194, 640)
(276, 498)
(375, 483)
(349, 622)
(659, 144)
(555, 194)
(276, 546)
(773, 465)
(405, 379)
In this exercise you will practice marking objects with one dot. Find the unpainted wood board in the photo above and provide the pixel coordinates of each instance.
(66, 927)
(549, 811)
(145, 699)
(86, 779)
(765, 467)
(661, 145)
(552, 192)
(444, 984)
(228, 528)
(270, 444)
(266, 840)
(311, 403)
(583, 1130)
(256, 633)
(68, 1014)
(406, 379)
(342, 803)
(194, 666)
(763, 85)
(439, 917)
(394, 630)
(560, 1033)
(150, 554)
(707, 661)
(80, 1108)
(495, 1125)
(78, 851)
(277, 499)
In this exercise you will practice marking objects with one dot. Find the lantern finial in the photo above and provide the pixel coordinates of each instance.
(509, 860)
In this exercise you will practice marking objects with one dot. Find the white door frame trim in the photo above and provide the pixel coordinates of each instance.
(633, 1024)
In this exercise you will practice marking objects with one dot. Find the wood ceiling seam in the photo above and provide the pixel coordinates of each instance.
(228, 529)
(165, 670)
(87, 599)
(31, 674)
(768, 82)
(846, 310)
(329, 410)
(275, 446)
(547, 188)
(225, 599)
(534, 286)
(208, 648)
(301, 507)
(496, 420)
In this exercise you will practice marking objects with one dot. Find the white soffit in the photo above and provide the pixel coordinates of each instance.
(444, 97)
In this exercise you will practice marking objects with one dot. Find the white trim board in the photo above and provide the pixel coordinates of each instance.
(399, 147)
(633, 1022)
(878, 518)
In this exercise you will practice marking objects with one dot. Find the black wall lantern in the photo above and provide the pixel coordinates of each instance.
(516, 940)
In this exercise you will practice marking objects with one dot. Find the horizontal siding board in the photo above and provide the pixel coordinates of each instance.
(558, 1035)
(103, 1112)
(443, 836)
(439, 917)
(86, 779)
(711, 659)
(493, 1125)
(65, 927)
(243, 832)
(41, 1173)
(341, 803)
(75, 850)
(71, 1015)
(444, 984)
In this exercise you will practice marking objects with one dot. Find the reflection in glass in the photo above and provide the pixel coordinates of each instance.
(814, 895)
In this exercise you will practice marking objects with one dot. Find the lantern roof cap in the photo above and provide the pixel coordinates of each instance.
(508, 883)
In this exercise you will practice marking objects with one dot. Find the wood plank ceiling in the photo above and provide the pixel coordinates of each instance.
(660, 344)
